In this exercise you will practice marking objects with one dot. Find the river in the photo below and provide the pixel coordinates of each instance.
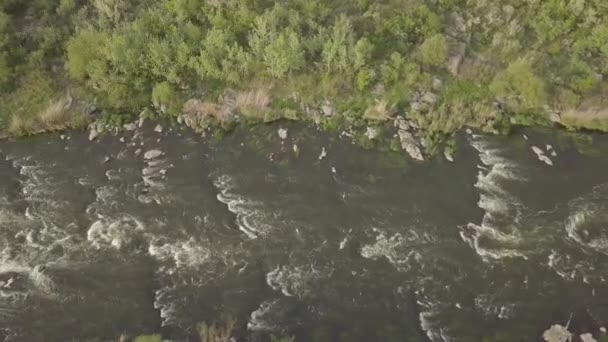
(362, 245)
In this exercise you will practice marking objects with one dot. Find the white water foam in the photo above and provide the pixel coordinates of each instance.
(429, 322)
(588, 222)
(114, 233)
(501, 210)
(250, 217)
(296, 281)
(261, 319)
(402, 251)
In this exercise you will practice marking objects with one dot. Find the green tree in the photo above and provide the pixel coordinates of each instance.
(284, 54)
(434, 50)
(82, 50)
(337, 51)
(221, 58)
(404, 29)
(519, 86)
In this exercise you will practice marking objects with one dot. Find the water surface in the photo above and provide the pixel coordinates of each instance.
(360, 246)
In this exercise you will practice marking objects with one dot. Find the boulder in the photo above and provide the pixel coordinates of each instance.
(557, 333)
(448, 155)
(430, 98)
(130, 127)
(456, 58)
(282, 133)
(537, 151)
(409, 144)
(545, 160)
(372, 133)
(158, 128)
(587, 338)
(93, 133)
(402, 124)
(153, 154)
(328, 109)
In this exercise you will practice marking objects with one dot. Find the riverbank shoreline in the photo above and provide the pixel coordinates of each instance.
(395, 133)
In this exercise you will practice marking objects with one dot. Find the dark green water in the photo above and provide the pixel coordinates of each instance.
(360, 246)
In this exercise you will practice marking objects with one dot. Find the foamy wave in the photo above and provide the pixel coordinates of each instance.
(250, 217)
(487, 304)
(497, 236)
(430, 323)
(295, 281)
(114, 233)
(401, 251)
(182, 254)
(587, 227)
(265, 316)
(32, 280)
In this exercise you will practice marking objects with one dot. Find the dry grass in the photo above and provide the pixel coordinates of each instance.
(591, 114)
(258, 98)
(19, 126)
(195, 106)
(254, 103)
(380, 111)
(57, 116)
(54, 116)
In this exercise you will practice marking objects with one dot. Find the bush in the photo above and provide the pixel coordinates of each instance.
(519, 86)
(434, 51)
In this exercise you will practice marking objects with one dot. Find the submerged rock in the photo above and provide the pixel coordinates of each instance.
(10, 280)
(282, 133)
(152, 154)
(296, 149)
(323, 154)
(557, 333)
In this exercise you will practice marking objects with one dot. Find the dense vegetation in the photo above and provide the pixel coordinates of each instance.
(440, 63)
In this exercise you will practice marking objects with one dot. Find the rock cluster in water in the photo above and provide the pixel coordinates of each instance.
(407, 139)
(540, 154)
